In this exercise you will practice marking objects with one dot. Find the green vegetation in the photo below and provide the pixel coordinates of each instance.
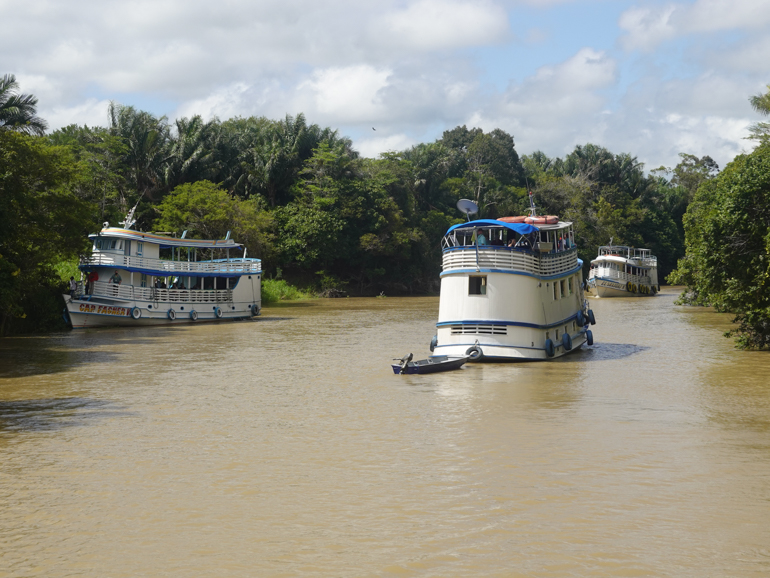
(274, 290)
(328, 222)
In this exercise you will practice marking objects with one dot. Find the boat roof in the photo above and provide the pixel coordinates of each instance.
(164, 241)
(520, 228)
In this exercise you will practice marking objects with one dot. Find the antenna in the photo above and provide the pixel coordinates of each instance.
(532, 209)
(129, 221)
(467, 207)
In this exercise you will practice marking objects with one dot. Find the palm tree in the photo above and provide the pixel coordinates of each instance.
(761, 102)
(17, 111)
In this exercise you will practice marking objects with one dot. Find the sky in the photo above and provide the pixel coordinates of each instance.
(645, 77)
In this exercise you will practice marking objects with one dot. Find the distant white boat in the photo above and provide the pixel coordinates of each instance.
(138, 278)
(511, 289)
(621, 271)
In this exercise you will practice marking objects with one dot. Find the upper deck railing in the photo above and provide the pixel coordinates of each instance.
(515, 260)
(231, 266)
(132, 293)
(642, 256)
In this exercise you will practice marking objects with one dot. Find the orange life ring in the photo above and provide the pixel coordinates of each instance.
(519, 219)
(544, 220)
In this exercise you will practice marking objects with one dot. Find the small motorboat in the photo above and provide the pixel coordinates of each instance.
(433, 364)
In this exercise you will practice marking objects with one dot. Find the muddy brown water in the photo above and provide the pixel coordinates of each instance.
(287, 447)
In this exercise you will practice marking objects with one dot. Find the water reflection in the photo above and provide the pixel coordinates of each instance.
(54, 414)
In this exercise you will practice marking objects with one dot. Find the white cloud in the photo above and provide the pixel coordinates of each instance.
(372, 147)
(351, 92)
(648, 27)
(440, 24)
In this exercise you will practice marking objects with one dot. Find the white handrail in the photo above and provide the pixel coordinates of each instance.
(243, 266)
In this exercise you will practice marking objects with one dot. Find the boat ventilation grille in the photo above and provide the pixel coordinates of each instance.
(479, 330)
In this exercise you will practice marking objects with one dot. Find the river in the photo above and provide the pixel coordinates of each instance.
(287, 447)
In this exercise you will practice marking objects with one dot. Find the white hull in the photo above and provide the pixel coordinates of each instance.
(515, 317)
(597, 287)
(84, 313)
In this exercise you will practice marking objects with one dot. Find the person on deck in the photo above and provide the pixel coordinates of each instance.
(116, 278)
(480, 238)
(73, 287)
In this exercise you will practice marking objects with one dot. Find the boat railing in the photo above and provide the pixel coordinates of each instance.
(132, 293)
(494, 257)
(621, 276)
(239, 265)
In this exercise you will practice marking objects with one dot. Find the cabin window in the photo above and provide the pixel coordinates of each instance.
(105, 244)
(144, 280)
(569, 285)
(139, 249)
(561, 288)
(477, 285)
(554, 291)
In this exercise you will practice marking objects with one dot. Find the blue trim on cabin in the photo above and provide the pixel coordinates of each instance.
(509, 272)
(512, 323)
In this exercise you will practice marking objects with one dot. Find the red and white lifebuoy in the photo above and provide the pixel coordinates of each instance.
(518, 219)
(543, 220)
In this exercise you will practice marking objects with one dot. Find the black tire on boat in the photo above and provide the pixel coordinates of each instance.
(589, 337)
(136, 313)
(566, 341)
(474, 353)
(433, 343)
(550, 349)
(581, 319)
(591, 317)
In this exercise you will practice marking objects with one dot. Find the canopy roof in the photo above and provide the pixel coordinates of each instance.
(165, 241)
(520, 228)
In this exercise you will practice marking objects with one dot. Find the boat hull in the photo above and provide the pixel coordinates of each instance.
(598, 287)
(514, 320)
(85, 313)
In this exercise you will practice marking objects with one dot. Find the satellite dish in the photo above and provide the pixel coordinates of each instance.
(468, 207)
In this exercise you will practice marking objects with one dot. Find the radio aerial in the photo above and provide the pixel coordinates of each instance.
(468, 207)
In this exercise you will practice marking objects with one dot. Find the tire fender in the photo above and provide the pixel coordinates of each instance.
(434, 343)
(194, 315)
(136, 313)
(474, 353)
(171, 314)
(566, 341)
(550, 348)
(591, 318)
(589, 337)
(217, 312)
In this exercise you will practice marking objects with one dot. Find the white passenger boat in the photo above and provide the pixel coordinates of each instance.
(511, 289)
(138, 278)
(621, 271)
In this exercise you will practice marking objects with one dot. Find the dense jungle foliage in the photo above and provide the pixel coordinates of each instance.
(300, 197)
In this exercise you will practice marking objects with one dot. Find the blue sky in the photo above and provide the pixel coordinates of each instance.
(645, 77)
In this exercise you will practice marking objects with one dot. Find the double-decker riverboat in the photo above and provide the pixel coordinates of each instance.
(621, 271)
(511, 289)
(138, 278)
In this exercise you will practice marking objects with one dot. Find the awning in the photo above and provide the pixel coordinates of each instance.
(520, 228)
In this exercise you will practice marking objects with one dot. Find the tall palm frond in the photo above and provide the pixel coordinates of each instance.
(18, 111)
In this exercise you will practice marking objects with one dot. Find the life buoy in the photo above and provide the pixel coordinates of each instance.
(194, 315)
(254, 310)
(136, 313)
(474, 353)
(218, 312)
(543, 220)
(433, 343)
(171, 314)
(591, 318)
(589, 337)
(566, 341)
(550, 349)
(518, 219)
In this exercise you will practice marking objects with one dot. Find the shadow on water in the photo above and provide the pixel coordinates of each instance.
(603, 352)
(54, 414)
(41, 356)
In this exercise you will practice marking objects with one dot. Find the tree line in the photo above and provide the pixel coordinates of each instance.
(302, 199)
